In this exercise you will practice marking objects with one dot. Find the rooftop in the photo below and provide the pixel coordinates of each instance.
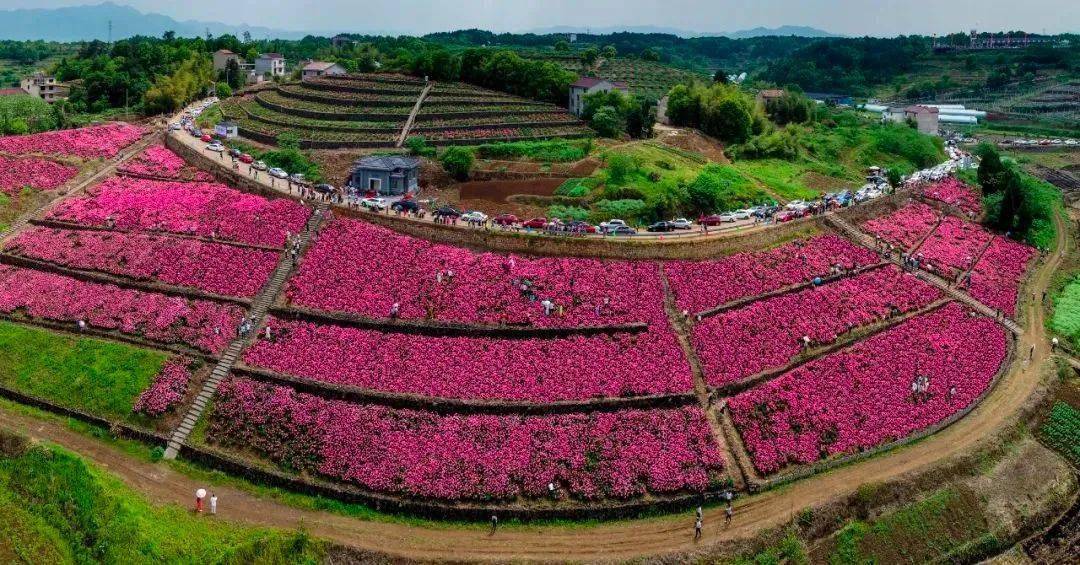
(224, 52)
(271, 56)
(387, 162)
(318, 66)
(589, 82)
(921, 110)
(11, 91)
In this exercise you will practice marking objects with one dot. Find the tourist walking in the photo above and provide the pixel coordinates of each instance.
(697, 529)
(213, 504)
(200, 494)
(728, 513)
(494, 524)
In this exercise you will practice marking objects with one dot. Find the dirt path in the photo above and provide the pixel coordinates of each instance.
(610, 541)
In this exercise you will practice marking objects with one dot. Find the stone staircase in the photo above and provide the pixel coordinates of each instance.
(259, 307)
(866, 240)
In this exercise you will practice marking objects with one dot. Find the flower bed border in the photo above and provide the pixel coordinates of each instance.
(58, 224)
(127, 283)
(446, 405)
(448, 329)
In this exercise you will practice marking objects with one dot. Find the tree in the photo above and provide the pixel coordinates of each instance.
(650, 54)
(791, 108)
(609, 52)
(222, 90)
(608, 122)
(458, 162)
(233, 76)
(893, 175)
(640, 117)
(992, 173)
(684, 106)
(720, 76)
(562, 46)
(589, 56)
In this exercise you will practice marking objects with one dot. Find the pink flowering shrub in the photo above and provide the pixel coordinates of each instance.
(542, 370)
(363, 269)
(955, 192)
(700, 285)
(202, 324)
(953, 247)
(37, 174)
(214, 267)
(861, 397)
(905, 227)
(619, 454)
(203, 209)
(996, 278)
(769, 333)
(93, 141)
(159, 162)
(167, 390)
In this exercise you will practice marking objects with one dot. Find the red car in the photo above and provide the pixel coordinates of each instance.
(787, 216)
(245, 158)
(206, 138)
(535, 223)
(505, 220)
(710, 220)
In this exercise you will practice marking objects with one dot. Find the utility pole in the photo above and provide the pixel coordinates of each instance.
(110, 32)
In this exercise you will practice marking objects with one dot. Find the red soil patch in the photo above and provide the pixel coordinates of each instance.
(499, 190)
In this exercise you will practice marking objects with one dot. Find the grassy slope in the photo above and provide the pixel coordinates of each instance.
(59, 509)
(101, 377)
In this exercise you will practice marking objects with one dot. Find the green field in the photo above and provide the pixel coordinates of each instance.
(1062, 431)
(100, 377)
(59, 509)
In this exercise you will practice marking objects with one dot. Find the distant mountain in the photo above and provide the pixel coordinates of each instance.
(83, 23)
(801, 31)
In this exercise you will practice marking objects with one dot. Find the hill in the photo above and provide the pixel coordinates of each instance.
(784, 30)
(83, 23)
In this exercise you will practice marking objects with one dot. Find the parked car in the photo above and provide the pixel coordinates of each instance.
(661, 227)
(215, 146)
(710, 220)
(324, 188)
(681, 224)
(174, 127)
(373, 203)
(611, 224)
(535, 223)
(622, 230)
(765, 211)
(579, 226)
(298, 178)
(259, 165)
(205, 138)
(405, 206)
(505, 220)
(474, 216)
(727, 217)
(235, 152)
(245, 158)
(278, 173)
(196, 132)
(741, 214)
(787, 216)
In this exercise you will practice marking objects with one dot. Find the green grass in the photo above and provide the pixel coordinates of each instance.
(100, 377)
(790, 550)
(1062, 431)
(949, 521)
(554, 151)
(59, 509)
(783, 178)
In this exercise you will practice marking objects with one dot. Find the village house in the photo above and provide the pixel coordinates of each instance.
(386, 175)
(316, 69)
(44, 87)
(925, 117)
(769, 94)
(270, 64)
(222, 58)
(589, 85)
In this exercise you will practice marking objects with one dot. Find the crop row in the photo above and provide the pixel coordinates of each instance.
(387, 78)
(440, 112)
(258, 112)
(306, 108)
(623, 454)
(33, 173)
(346, 98)
(103, 141)
(159, 162)
(363, 86)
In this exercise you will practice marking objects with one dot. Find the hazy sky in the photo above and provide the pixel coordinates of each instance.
(850, 17)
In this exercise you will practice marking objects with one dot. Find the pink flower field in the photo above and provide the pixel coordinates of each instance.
(953, 247)
(36, 174)
(769, 333)
(213, 267)
(159, 162)
(953, 191)
(203, 209)
(905, 227)
(363, 269)
(620, 454)
(705, 284)
(861, 397)
(996, 278)
(94, 141)
(167, 390)
(539, 370)
(201, 324)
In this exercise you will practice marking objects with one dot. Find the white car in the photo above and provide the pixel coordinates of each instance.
(259, 165)
(681, 224)
(298, 178)
(174, 127)
(727, 217)
(278, 173)
(742, 214)
(215, 146)
(373, 203)
(474, 216)
(611, 224)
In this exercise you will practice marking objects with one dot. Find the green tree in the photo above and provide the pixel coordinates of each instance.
(992, 173)
(893, 175)
(650, 54)
(720, 76)
(589, 56)
(562, 46)
(609, 52)
(791, 108)
(458, 162)
(608, 122)
(619, 168)
(222, 90)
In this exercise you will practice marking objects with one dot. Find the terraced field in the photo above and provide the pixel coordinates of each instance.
(371, 111)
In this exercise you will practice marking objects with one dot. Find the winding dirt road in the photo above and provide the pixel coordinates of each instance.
(609, 541)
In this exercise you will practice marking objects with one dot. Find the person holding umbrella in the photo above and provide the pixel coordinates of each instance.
(200, 494)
